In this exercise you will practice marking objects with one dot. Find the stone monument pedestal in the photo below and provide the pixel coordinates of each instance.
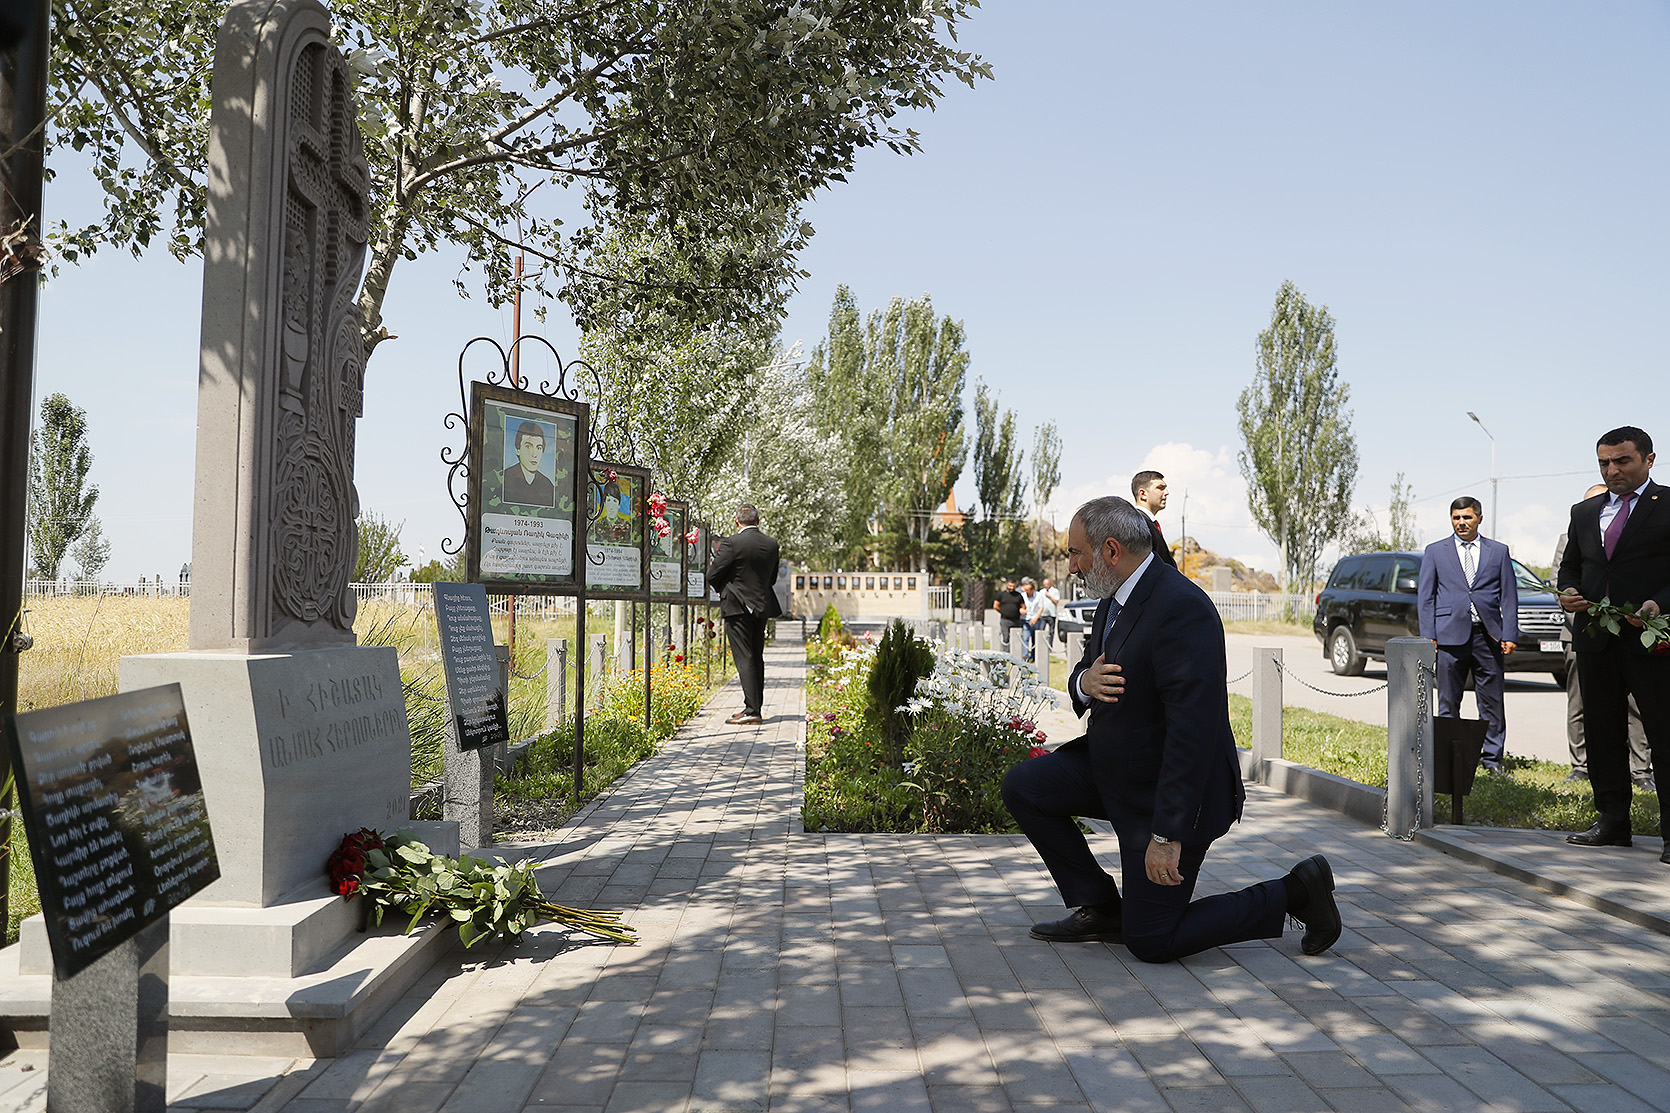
(295, 750)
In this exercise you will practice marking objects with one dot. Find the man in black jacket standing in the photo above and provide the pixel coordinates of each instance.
(743, 570)
(1618, 548)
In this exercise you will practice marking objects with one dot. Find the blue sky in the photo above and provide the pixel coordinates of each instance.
(1477, 192)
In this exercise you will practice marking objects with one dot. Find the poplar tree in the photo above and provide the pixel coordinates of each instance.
(1046, 474)
(1300, 457)
(996, 535)
(60, 499)
(890, 391)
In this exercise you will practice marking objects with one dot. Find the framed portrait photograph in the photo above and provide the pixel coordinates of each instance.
(695, 562)
(617, 531)
(667, 549)
(525, 491)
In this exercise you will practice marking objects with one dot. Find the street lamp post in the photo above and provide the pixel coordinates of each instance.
(1493, 481)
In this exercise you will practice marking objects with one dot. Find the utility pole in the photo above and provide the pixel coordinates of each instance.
(516, 382)
(24, 31)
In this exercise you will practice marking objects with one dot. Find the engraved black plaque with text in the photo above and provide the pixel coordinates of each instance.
(472, 670)
(113, 804)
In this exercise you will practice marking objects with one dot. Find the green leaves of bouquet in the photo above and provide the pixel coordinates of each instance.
(1610, 616)
(402, 875)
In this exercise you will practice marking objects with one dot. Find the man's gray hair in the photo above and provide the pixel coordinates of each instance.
(1111, 516)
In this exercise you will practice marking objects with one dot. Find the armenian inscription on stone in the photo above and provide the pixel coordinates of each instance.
(472, 669)
(113, 804)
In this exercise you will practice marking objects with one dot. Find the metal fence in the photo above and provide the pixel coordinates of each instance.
(1254, 606)
(939, 602)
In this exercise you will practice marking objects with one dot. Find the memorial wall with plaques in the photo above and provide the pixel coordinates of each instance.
(114, 807)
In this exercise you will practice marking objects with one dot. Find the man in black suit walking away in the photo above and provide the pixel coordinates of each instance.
(1618, 548)
(1148, 494)
(1157, 760)
(743, 569)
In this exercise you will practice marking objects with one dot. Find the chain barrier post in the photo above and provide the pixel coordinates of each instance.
(1266, 708)
(1411, 663)
(556, 682)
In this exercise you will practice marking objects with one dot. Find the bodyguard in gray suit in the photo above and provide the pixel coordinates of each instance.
(1468, 603)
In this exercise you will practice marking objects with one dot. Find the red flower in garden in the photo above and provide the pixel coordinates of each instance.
(1040, 737)
(1036, 751)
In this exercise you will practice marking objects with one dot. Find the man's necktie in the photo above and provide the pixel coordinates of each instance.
(1470, 566)
(1609, 540)
(1113, 616)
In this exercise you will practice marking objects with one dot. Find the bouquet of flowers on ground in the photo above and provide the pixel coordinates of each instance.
(399, 873)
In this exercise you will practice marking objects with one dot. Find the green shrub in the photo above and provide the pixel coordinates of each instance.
(830, 626)
(901, 660)
(957, 764)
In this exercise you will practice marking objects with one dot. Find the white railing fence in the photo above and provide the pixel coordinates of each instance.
(1255, 606)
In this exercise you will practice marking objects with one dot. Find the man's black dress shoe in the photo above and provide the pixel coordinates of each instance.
(1665, 855)
(742, 718)
(1605, 832)
(1085, 925)
(1321, 914)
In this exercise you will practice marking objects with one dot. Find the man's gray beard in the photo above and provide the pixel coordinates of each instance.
(1100, 580)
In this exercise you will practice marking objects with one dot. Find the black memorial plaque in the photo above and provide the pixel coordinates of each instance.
(117, 824)
(472, 669)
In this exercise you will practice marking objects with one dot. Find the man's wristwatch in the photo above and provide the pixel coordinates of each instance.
(1161, 840)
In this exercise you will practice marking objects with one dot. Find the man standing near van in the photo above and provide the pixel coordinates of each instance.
(1468, 604)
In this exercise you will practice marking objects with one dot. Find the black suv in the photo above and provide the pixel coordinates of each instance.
(1371, 597)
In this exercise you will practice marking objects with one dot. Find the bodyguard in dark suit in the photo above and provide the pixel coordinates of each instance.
(1468, 603)
(1157, 760)
(1148, 494)
(743, 570)
(1618, 548)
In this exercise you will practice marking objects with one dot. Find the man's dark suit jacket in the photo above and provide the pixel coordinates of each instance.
(1639, 569)
(743, 570)
(1162, 551)
(1163, 756)
(517, 491)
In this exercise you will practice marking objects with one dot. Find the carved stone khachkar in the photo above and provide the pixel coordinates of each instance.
(282, 374)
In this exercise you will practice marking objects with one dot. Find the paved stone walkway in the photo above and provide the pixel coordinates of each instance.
(832, 973)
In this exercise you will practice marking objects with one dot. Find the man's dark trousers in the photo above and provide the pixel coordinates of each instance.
(746, 635)
(1609, 675)
(1482, 658)
(1159, 922)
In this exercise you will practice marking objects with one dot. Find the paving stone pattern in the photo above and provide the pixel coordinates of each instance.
(780, 970)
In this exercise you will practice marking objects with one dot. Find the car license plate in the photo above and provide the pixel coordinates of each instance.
(1553, 646)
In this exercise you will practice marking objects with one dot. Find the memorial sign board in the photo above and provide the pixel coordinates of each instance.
(695, 563)
(667, 554)
(617, 531)
(525, 490)
(477, 702)
(113, 804)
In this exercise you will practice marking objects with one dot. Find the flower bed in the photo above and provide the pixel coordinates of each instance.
(969, 720)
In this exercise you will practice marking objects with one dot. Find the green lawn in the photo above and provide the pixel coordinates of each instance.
(1537, 796)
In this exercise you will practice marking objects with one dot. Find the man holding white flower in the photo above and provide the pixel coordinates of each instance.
(1157, 760)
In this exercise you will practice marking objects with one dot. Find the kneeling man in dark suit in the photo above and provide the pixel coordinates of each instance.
(1157, 761)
